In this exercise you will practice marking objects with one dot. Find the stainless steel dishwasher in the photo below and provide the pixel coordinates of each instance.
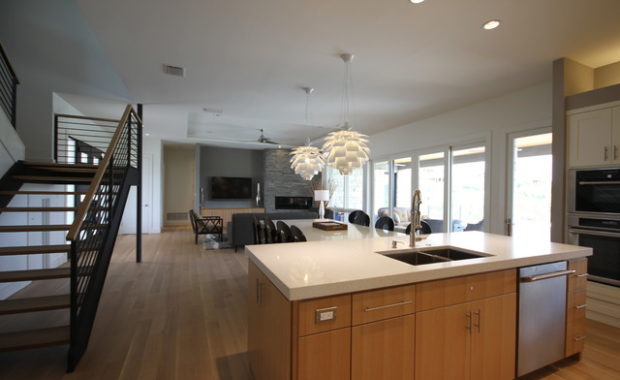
(542, 315)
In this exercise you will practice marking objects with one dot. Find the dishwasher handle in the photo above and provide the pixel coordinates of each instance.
(546, 276)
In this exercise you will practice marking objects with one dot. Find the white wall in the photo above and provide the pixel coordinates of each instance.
(52, 49)
(491, 121)
(152, 188)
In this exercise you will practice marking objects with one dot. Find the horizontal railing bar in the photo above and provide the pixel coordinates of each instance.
(87, 117)
(61, 123)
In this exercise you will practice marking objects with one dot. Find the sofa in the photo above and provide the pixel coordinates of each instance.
(242, 233)
(401, 217)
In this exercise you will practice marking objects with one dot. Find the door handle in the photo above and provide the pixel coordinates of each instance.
(509, 226)
(615, 152)
(605, 154)
(477, 322)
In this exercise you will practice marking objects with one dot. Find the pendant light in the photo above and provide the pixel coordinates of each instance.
(307, 160)
(346, 149)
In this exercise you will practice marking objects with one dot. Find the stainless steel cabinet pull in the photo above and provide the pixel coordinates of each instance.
(580, 338)
(581, 306)
(594, 233)
(477, 323)
(606, 150)
(615, 152)
(401, 303)
(545, 276)
(468, 325)
(599, 183)
(259, 292)
(582, 275)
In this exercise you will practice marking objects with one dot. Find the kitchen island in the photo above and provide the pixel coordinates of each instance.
(343, 309)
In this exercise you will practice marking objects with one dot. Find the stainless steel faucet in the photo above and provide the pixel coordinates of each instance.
(415, 216)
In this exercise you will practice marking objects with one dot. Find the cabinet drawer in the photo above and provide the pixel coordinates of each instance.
(382, 304)
(575, 322)
(324, 314)
(577, 281)
(433, 294)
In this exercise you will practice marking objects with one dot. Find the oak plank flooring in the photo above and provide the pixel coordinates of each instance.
(181, 315)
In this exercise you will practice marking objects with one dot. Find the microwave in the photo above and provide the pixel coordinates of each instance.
(595, 191)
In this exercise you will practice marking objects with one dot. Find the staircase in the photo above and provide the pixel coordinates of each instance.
(100, 184)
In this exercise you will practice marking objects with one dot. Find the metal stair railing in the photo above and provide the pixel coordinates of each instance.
(91, 249)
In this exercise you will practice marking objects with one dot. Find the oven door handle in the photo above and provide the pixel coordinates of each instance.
(599, 182)
(574, 231)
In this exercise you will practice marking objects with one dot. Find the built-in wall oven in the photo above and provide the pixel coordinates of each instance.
(594, 191)
(602, 234)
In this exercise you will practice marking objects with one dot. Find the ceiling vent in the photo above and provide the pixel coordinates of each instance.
(174, 70)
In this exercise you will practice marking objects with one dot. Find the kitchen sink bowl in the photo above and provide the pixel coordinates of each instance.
(431, 255)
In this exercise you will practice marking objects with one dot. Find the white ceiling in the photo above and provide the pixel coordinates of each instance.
(249, 58)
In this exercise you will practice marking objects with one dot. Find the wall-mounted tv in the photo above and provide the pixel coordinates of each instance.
(231, 188)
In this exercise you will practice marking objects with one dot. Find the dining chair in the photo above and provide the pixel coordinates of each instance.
(270, 231)
(360, 218)
(283, 232)
(298, 235)
(425, 228)
(385, 223)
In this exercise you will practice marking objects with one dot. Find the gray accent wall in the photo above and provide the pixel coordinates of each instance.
(281, 180)
(228, 162)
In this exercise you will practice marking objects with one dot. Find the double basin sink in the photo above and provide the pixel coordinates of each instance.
(421, 256)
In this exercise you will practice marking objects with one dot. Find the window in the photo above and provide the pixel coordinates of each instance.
(468, 171)
(381, 186)
(348, 190)
(452, 181)
(402, 182)
(431, 168)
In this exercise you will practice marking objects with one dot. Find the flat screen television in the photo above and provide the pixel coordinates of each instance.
(231, 188)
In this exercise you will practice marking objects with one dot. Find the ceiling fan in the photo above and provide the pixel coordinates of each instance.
(264, 140)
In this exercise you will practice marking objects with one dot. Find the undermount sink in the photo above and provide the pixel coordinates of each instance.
(432, 255)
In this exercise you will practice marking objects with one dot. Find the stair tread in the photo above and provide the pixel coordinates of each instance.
(37, 209)
(37, 192)
(57, 164)
(35, 274)
(34, 338)
(27, 178)
(34, 249)
(25, 305)
(65, 169)
(49, 227)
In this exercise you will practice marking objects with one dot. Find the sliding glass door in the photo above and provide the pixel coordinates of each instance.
(381, 188)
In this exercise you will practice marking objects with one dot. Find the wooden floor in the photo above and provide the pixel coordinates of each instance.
(181, 315)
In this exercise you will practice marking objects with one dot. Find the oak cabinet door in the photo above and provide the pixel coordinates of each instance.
(325, 356)
(493, 341)
(384, 350)
(442, 338)
(589, 136)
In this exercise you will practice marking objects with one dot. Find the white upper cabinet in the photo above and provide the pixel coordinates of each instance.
(594, 138)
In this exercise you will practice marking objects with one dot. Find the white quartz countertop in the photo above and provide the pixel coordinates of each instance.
(325, 266)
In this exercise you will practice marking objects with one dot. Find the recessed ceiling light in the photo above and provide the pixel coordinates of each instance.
(416, 1)
(491, 24)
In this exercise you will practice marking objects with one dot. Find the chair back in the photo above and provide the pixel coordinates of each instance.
(297, 234)
(425, 228)
(385, 223)
(259, 231)
(192, 219)
(270, 231)
(283, 232)
(360, 218)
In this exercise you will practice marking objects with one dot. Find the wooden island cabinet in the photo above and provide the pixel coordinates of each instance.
(456, 328)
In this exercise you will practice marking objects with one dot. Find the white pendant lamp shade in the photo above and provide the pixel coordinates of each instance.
(346, 150)
(307, 161)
